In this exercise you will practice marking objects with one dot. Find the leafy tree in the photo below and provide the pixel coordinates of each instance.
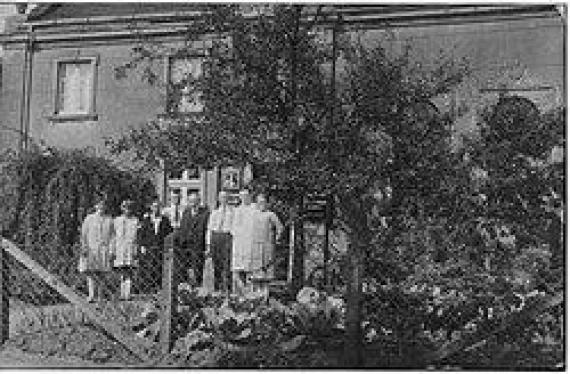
(492, 247)
(268, 101)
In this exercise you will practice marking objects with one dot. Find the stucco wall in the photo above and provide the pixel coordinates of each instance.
(11, 96)
(489, 47)
(516, 54)
(120, 104)
(536, 44)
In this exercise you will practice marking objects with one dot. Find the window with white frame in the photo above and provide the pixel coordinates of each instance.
(183, 95)
(75, 87)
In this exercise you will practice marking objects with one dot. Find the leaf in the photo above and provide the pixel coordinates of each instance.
(293, 344)
(226, 313)
(244, 334)
(210, 316)
(196, 337)
(243, 317)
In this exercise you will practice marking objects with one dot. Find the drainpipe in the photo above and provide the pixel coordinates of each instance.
(23, 135)
(26, 90)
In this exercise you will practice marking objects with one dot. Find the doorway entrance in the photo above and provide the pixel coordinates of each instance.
(190, 181)
(207, 183)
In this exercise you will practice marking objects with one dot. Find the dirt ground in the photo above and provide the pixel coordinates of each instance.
(12, 357)
(59, 336)
(71, 346)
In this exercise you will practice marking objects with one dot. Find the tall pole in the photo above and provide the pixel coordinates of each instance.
(298, 239)
(4, 297)
(326, 254)
(353, 344)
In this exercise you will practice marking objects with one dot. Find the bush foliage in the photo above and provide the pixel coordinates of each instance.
(46, 195)
(449, 240)
(251, 332)
(485, 246)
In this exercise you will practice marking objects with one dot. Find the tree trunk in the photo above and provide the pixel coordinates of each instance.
(353, 356)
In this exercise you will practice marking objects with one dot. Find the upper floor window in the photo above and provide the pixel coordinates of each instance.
(183, 96)
(75, 96)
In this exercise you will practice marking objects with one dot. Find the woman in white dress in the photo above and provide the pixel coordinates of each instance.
(242, 232)
(96, 249)
(126, 246)
(266, 231)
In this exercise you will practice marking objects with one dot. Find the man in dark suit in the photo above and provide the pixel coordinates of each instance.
(154, 229)
(190, 241)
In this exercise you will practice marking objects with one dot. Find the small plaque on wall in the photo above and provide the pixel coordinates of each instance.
(234, 199)
(231, 179)
(231, 182)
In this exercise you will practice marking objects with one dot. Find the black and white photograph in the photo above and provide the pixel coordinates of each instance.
(283, 185)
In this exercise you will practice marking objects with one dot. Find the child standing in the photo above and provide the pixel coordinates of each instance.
(126, 247)
(95, 257)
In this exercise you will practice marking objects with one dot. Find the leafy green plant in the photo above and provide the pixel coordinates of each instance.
(250, 332)
(489, 252)
(47, 195)
(418, 214)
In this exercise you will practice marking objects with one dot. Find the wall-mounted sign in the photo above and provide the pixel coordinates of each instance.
(231, 179)
(316, 208)
(231, 182)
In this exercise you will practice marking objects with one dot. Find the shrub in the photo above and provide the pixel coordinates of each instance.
(213, 330)
(493, 245)
(46, 197)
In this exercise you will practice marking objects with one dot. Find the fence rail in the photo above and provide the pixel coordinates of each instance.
(138, 346)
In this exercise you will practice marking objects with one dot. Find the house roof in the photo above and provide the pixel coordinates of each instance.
(351, 13)
(54, 11)
(71, 22)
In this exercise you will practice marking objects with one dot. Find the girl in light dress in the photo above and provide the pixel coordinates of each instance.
(97, 234)
(126, 246)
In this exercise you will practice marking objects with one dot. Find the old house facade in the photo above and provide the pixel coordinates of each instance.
(60, 88)
(59, 84)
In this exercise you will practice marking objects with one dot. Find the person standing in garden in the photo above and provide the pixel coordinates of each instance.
(267, 229)
(242, 232)
(155, 228)
(190, 240)
(175, 210)
(96, 249)
(126, 246)
(219, 241)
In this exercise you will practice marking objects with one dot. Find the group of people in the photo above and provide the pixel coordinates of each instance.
(109, 243)
(226, 248)
(223, 249)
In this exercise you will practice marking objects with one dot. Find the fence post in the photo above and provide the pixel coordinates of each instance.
(168, 296)
(4, 296)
